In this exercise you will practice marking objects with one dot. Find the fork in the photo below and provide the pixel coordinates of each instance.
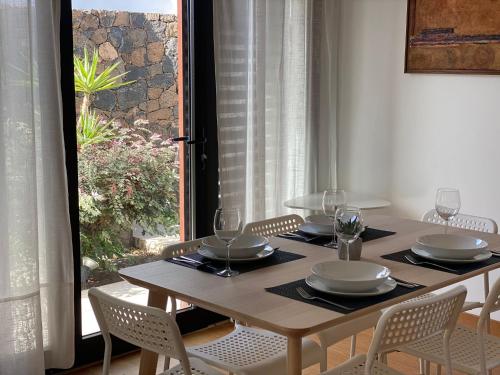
(404, 283)
(307, 296)
(187, 260)
(416, 262)
(303, 238)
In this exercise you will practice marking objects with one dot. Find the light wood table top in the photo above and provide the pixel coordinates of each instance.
(244, 297)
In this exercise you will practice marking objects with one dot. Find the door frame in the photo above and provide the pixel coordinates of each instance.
(199, 203)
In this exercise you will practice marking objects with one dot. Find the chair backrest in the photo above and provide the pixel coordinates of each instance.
(181, 248)
(147, 327)
(464, 221)
(274, 226)
(414, 320)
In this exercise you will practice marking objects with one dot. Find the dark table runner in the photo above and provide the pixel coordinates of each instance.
(289, 290)
(212, 266)
(369, 234)
(461, 268)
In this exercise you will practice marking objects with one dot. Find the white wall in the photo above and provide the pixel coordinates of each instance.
(401, 136)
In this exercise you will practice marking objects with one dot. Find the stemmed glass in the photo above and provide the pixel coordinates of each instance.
(333, 199)
(447, 204)
(348, 225)
(227, 228)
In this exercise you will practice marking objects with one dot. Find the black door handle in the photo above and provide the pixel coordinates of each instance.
(190, 141)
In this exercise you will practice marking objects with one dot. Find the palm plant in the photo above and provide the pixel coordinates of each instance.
(91, 129)
(88, 82)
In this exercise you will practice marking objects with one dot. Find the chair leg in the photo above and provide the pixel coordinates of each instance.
(427, 368)
(383, 358)
(166, 364)
(421, 365)
(353, 346)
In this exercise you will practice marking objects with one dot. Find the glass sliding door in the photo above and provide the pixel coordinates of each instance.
(128, 113)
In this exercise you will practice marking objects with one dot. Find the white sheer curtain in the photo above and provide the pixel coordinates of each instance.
(36, 266)
(276, 63)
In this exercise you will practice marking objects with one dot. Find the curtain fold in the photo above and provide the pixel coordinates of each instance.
(36, 271)
(276, 66)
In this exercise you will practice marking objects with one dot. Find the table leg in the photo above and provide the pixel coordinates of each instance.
(149, 360)
(294, 355)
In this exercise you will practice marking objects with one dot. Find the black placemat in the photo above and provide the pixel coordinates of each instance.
(461, 268)
(212, 266)
(368, 234)
(290, 290)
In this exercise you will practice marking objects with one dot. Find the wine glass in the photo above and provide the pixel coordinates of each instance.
(348, 225)
(447, 204)
(227, 228)
(333, 199)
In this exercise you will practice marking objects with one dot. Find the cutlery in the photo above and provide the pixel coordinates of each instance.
(190, 259)
(196, 263)
(404, 283)
(495, 253)
(303, 238)
(416, 262)
(186, 260)
(307, 296)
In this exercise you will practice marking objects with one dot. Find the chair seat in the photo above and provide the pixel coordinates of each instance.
(253, 351)
(464, 350)
(356, 366)
(198, 367)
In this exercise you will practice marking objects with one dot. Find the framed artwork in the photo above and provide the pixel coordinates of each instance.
(453, 36)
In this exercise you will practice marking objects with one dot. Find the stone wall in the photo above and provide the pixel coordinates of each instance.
(145, 45)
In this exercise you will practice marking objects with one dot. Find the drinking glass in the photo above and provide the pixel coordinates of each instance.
(227, 228)
(348, 225)
(447, 204)
(333, 199)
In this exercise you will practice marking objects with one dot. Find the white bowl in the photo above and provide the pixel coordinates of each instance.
(452, 246)
(355, 276)
(245, 246)
(322, 223)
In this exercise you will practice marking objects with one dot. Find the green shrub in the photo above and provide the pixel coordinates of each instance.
(130, 179)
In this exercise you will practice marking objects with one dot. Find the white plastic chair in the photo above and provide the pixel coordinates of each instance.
(470, 222)
(463, 221)
(472, 351)
(275, 226)
(407, 323)
(328, 337)
(246, 350)
(147, 327)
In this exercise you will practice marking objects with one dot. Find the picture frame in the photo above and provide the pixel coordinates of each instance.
(458, 37)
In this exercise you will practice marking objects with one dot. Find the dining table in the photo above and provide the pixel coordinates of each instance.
(314, 201)
(246, 297)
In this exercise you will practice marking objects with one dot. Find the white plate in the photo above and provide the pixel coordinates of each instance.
(358, 276)
(322, 222)
(315, 229)
(266, 252)
(386, 287)
(245, 246)
(452, 246)
(424, 253)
